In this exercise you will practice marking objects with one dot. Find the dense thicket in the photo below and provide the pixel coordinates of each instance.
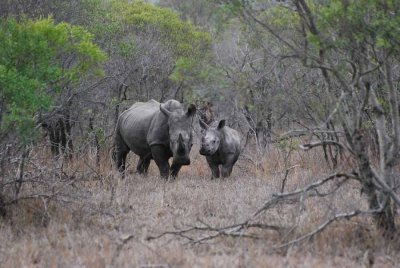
(324, 69)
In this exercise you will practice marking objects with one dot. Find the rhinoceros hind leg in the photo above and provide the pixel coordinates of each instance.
(121, 159)
(161, 155)
(119, 153)
(143, 164)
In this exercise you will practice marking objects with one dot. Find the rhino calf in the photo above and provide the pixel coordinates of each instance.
(221, 146)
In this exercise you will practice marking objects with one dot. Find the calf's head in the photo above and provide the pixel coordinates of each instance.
(211, 138)
(180, 133)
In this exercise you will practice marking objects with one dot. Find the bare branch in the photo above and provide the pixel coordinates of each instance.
(386, 188)
(303, 132)
(270, 30)
(309, 146)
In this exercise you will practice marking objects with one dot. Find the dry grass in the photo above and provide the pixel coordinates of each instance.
(106, 220)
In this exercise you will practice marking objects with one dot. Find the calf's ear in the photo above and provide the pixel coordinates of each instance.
(191, 110)
(221, 124)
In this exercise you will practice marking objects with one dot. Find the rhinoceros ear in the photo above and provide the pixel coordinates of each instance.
(191, 110)
(203, 124)
(165, 111)
(221, 124)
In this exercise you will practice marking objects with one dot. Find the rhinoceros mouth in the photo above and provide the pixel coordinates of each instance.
(204, 152)
(182, 161)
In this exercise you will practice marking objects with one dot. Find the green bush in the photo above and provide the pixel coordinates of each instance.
(32, 68)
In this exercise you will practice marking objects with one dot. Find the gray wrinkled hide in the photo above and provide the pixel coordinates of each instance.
(220, 145)
(145, 130)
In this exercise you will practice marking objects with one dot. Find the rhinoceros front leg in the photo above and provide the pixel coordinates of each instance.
(214, 168)
(175, 170)
(143, 164)
(226, 170)
(161, 155)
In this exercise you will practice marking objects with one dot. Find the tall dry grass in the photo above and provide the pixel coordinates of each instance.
(101, 220)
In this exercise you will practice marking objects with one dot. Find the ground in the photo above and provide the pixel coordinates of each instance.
(99, 219)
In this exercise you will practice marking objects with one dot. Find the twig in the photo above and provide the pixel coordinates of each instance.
(286, 174)
(121, 243)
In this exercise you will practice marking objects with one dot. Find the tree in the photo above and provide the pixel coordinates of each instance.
(353, 46)
(39, 60)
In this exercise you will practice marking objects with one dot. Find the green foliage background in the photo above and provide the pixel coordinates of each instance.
(31, 68)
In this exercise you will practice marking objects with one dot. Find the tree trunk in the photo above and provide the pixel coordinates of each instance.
(96, 140)
(68, 133)
(120, 97)
(384, 220)
(59, 132)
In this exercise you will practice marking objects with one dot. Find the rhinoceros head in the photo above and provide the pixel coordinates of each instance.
(211, 138)
(180, 133)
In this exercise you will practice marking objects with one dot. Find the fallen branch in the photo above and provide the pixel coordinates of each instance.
(324, 225)
(282, 197)
(235, 230)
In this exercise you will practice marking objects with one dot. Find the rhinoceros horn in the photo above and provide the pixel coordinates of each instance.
(181, 146)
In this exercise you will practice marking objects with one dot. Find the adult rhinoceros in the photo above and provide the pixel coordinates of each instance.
(155, 131)
(220, 145)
